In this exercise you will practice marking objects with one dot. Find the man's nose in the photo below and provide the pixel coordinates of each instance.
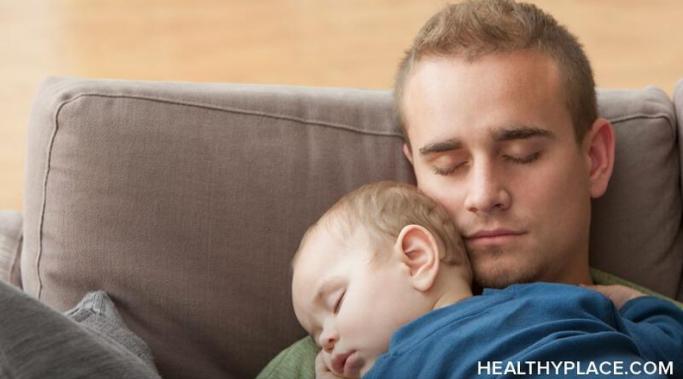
(486, 190)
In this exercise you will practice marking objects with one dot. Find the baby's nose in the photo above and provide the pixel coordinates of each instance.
(328, 338)
(328, 344)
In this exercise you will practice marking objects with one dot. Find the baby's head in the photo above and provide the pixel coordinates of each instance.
(382, 256)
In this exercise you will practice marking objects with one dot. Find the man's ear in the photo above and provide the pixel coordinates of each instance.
(600, 142)
(419, 252)
(408, 153)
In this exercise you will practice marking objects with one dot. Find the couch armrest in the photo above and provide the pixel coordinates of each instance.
(10, 247)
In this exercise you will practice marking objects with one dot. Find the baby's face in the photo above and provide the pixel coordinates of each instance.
(349, 307)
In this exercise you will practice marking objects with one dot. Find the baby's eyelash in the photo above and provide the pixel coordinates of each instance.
(339, 302)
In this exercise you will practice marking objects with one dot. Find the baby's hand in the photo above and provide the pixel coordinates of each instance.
(617, 293)
(321, 370)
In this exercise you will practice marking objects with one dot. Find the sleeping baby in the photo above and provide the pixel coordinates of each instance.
(382, 283)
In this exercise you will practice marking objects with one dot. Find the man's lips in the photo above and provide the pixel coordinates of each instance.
(493, 235)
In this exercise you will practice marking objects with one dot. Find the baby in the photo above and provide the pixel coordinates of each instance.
(382, 283)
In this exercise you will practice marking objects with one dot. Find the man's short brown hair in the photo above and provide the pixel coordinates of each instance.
(475, 28)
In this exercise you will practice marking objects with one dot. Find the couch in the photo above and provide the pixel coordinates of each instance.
(186, 201)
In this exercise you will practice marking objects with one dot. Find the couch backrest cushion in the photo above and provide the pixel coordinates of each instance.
(636, 225)
(185, 202)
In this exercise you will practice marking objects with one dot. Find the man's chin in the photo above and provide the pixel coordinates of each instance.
(501, 270)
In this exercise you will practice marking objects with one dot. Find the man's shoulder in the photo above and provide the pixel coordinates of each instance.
(541, 289)
(605, 278)
(554, 300)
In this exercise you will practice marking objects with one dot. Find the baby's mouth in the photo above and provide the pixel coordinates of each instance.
(348, 365)
(339, 362)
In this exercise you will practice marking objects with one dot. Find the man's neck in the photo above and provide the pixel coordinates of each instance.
(579, 274)
(453, 294)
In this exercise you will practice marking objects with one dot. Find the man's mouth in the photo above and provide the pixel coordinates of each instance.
(492, 236)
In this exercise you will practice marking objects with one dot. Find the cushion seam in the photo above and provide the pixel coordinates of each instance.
(236, 111)
(646, 116)
(298, 119)
(55, 128)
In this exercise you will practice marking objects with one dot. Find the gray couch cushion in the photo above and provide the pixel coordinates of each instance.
(97, 314)
(186, 201)
(10, 247)
(36, 342)
(636, 225)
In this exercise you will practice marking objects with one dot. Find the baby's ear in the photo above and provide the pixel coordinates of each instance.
(419, 251)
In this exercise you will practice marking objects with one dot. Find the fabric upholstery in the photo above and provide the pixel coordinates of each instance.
(97, 314)
(10, 247)
(36, 343)
(636, 225)
(678, 107)
(186, 201)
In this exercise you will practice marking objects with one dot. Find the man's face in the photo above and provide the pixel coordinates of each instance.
(493, 141)
(348, 306)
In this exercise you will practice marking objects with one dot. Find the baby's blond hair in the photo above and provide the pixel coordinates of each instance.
(383, 209)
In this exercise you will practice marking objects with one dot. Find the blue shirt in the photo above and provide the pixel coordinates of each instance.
(519, 329)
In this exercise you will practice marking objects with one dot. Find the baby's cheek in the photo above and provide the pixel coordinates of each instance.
(378, 332)
(359, 322)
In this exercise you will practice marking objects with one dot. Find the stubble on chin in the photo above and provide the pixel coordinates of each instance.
(495, 268)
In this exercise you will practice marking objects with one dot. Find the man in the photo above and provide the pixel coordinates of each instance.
(498, 108)
(497, 104)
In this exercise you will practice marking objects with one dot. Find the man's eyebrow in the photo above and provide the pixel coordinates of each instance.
(521, 132)
(441, 146)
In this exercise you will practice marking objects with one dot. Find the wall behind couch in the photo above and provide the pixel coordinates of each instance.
(349, 43)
